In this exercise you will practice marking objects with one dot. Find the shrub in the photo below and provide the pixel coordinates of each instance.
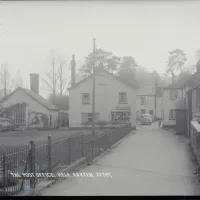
(10, 180)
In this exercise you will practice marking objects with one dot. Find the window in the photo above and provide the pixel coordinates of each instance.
(86, 98)
(142, 100)
(20, 114)
(120, 116)
(122, 97)
(143, 111)
(151, 112)
(87, 117)
(172, 114)
(173, 94)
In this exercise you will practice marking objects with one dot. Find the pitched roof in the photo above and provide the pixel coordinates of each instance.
(179, 84)
(44, 102)
(103, 70)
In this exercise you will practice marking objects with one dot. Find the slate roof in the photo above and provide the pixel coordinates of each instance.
(44, 102)
(99, 71)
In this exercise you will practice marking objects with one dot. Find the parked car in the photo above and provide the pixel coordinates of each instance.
(148, 115)
(146, 120)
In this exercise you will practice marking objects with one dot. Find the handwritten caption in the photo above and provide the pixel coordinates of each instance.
(62, 175)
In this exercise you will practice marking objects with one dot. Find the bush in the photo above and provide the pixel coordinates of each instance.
(10, 181)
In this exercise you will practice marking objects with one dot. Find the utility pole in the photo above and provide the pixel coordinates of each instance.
(93, 94)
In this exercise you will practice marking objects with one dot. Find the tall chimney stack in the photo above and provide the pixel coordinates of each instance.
(73, 70)
(34, 83)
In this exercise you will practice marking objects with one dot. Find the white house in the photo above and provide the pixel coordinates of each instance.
(170, 95)
(146, 101)
(26, 104)
(114, 100)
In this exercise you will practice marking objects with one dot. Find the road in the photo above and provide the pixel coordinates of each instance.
(152, 161)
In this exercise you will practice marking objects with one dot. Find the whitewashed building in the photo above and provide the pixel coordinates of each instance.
(26, 104)
(114, 100)
(146, 101)
(172, 93)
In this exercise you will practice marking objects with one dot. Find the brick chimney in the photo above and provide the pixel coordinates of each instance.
(34, 83)
(73, 70)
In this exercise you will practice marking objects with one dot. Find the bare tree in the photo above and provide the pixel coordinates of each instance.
(5, 79)
(51, 76)
(63, 76)
(56, 76)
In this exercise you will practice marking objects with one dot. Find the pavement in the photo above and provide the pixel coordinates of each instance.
(152, 161)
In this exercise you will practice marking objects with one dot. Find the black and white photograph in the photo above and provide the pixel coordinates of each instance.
(100, 98)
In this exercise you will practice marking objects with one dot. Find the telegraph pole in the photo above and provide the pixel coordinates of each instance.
(93, 93)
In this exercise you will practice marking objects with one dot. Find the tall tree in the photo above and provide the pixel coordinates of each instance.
(127, 70)
(176, 60)
(104, 59)
(56, 76)
(63, 72)
(156, 78)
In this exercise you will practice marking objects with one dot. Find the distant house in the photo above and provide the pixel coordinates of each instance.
(28, 109)
(146, 101)
(171, 94)
(115, 100)
(149, 101)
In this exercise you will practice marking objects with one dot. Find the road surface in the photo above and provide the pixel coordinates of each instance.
(152, 161)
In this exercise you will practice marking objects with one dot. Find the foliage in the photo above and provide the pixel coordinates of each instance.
(104, 60)
(176, 60)
(127, 70)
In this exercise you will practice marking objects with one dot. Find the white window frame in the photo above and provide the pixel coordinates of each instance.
(143, 100)
(173, 94)
(84, 101)
(122, 98)
(89, 117)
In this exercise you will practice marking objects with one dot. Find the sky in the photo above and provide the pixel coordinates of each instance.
(146, 30)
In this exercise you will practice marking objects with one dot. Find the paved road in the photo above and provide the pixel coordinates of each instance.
(150, 162)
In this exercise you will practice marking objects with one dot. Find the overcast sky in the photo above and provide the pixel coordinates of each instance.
(146, 30)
